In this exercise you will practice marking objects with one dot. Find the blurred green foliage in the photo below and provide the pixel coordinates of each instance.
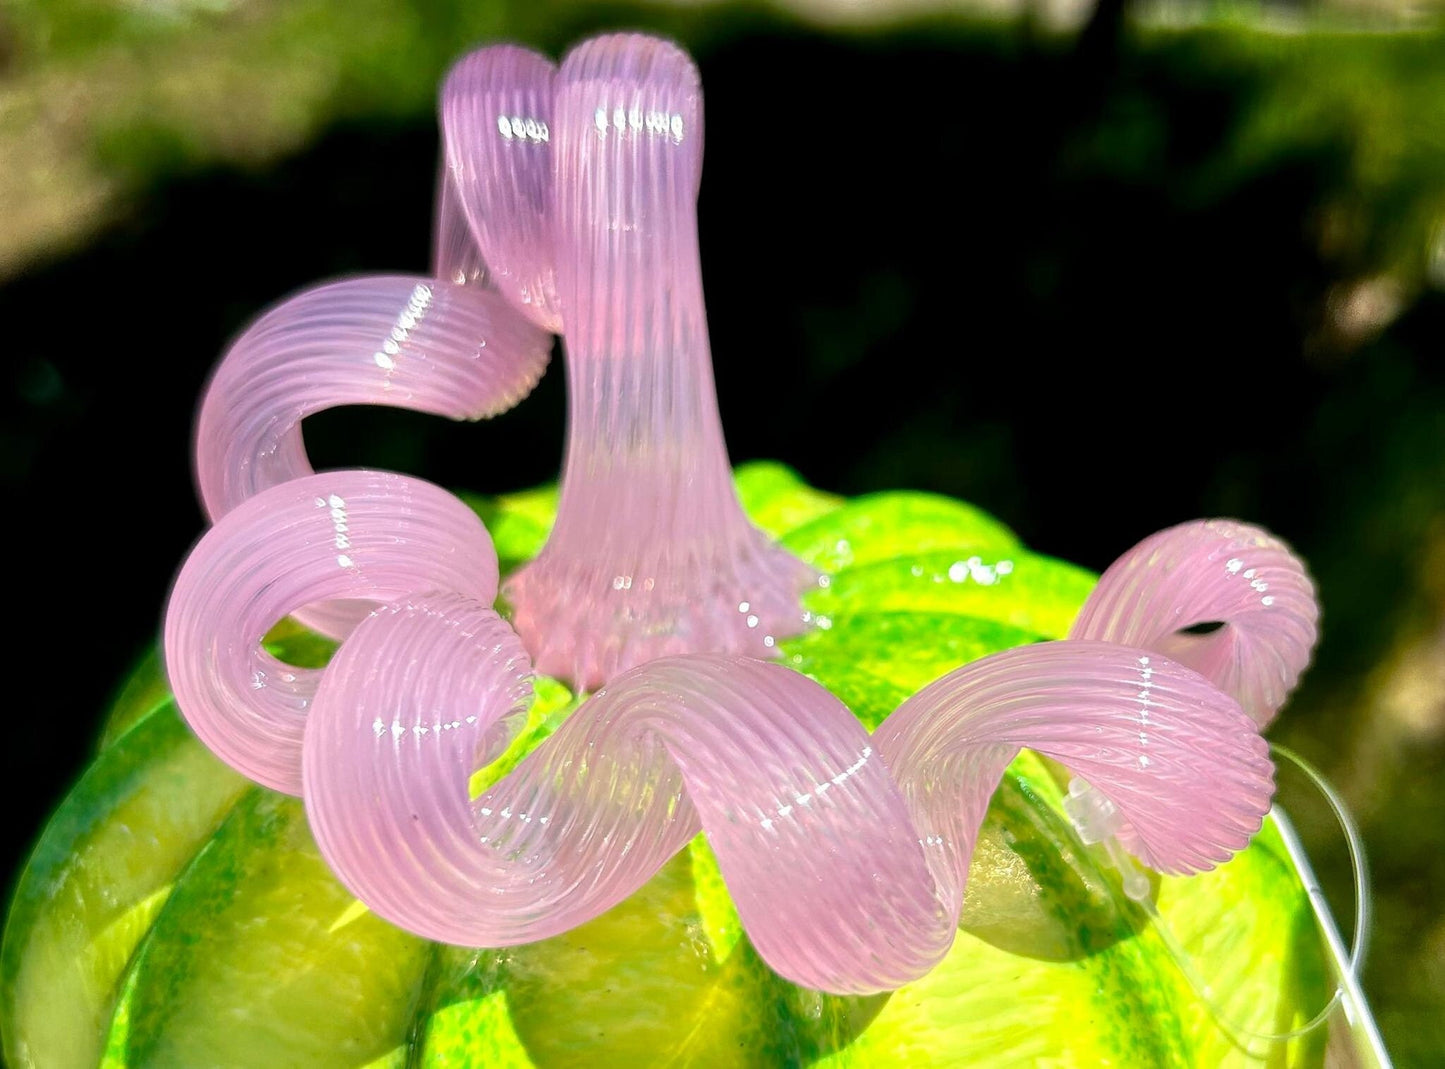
(150, 88)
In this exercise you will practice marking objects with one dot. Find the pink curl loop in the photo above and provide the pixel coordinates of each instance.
(399, 340)
(1213, 572)
(651, 554)
(1182, 762)
(679, 745)
(846, 856)
(350, 534)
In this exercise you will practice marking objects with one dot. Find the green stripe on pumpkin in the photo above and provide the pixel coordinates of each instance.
(246, 964)
(120, 838)
(885, 526)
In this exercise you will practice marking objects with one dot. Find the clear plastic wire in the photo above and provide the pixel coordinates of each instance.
(1092, 816)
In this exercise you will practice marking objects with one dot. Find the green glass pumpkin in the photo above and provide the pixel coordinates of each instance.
(173, 914)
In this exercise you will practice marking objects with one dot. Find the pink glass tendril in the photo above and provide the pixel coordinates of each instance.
(846, 855)
(455, 255)
(351, 535)
(1213, 572)
(573, 191)
(496, 114)
(399, 340)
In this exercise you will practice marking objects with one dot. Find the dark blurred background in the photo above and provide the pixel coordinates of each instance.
(1097, 269)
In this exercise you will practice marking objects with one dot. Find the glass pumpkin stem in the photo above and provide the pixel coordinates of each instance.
(651, 553)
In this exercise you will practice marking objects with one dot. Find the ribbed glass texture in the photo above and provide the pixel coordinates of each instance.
(651, 554)
(400, 340)
(573, 191)
(455, 254)
(1213, 572)
(1179, 759)
(496, 113)
(351, 534)
(846, 855)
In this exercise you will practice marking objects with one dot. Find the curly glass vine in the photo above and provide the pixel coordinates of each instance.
(567, 205)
